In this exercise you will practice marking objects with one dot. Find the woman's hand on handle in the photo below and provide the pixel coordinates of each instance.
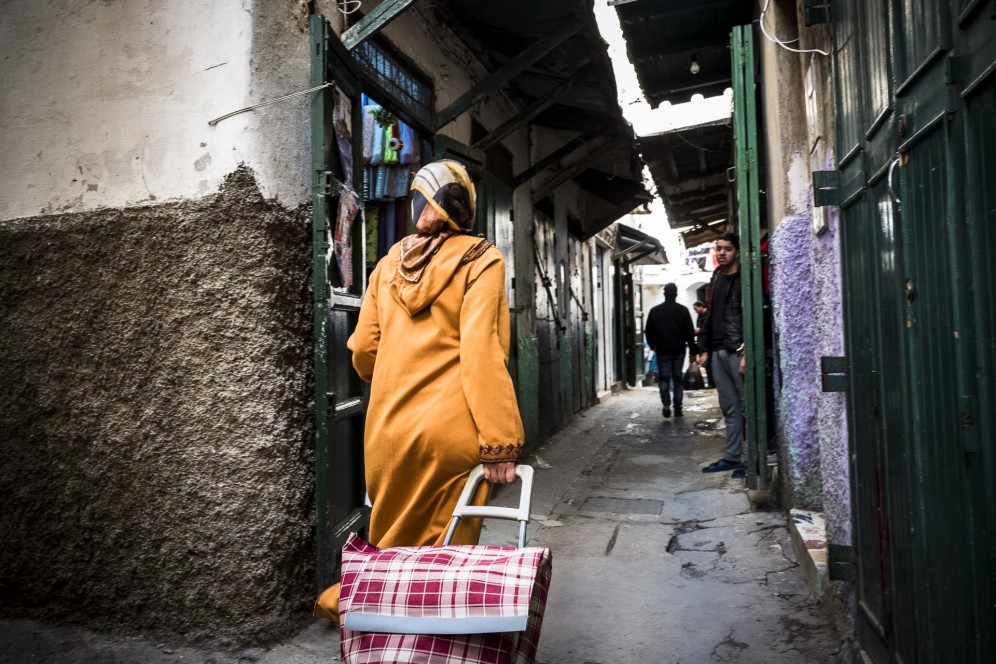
(500, 473)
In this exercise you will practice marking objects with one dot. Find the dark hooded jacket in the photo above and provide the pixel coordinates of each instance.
(669, 329)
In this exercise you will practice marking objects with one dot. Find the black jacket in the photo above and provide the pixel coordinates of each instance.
(669, 329)
(702, 322)
(732, 330)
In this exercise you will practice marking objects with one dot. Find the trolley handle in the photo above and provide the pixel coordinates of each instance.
(521, 513)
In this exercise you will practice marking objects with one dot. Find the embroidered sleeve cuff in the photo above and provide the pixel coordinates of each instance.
(499, 453)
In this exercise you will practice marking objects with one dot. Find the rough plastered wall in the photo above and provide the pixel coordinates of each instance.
(794, 294)
(806, 280)
(798, 120)
(792, 306)
(831, 407)
(155, 428)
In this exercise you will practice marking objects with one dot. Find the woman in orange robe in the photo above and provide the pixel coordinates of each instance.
(433, 340)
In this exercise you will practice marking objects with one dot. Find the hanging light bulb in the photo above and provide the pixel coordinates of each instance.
(694, 68)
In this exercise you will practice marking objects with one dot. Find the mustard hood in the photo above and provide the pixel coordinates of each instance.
(437, 275)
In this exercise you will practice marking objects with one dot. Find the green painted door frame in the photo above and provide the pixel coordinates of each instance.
(339, 395)
(748, 187)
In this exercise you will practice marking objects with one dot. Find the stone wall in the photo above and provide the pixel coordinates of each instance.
(155, 416)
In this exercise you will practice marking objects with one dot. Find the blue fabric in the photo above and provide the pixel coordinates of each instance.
(410, 152)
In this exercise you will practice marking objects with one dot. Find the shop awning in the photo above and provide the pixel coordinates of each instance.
(664, 38)
(680, 49)
(699, 235)
(637, 248)
(692, 170)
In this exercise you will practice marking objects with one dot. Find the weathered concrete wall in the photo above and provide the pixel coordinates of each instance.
(106, 104)
(154, 416)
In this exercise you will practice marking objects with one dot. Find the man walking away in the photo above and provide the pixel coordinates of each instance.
(701, 321)
(669, 331)
(724, 347)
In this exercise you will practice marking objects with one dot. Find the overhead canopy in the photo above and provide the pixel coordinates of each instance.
(637, 248)
(693, 237)
(691, 168)
(549, 58)
(664, 36)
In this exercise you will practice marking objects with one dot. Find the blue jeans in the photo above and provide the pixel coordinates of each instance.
(669, 373)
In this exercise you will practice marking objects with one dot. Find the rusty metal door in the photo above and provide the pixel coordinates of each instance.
(550, 326)
(581, 348)
(916, 98)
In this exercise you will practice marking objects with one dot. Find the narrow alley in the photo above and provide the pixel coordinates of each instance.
(654, 561)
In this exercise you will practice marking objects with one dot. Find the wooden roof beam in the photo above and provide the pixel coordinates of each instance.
(505, 73)
(560, 153)
(374, 22)
(593, 155)
(529, 112)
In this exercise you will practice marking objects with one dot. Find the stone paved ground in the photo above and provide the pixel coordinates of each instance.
(654, 561)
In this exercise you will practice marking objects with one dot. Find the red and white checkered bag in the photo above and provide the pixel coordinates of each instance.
(447, 604)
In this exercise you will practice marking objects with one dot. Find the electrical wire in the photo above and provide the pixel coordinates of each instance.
(697, 147)
(347, 7)
(267, 103)
(778, 41)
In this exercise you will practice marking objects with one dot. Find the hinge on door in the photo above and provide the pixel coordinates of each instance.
(950, 76)
(833, 374)
(330, 407)
(826, 188)
(841, 563)
(817, 12)
(328, 183)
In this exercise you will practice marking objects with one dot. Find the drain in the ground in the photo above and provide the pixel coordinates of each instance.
(608, 505)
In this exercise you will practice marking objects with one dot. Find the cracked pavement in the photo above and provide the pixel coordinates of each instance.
(655, 561)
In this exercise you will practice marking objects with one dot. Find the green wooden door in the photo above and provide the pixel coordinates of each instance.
(915, 144)
(749, 222)
(337, 264)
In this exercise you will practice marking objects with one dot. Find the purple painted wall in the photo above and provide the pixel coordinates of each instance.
(793, 296)
(831, 410)
(808, 320)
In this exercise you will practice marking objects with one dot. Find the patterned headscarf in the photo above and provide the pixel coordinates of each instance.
(443, 202)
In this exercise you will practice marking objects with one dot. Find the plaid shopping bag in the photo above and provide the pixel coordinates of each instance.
(442, 604)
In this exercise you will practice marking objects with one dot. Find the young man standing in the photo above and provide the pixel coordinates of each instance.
(701, 321)
(668, 332)
(723, 337)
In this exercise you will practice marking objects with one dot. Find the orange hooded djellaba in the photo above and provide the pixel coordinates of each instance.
(433, 341)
